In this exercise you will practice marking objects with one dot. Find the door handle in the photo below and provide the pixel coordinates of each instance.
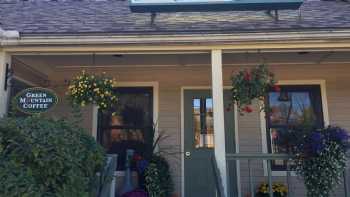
(188, 154)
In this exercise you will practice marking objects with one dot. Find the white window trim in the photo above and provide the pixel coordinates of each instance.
(322, 84)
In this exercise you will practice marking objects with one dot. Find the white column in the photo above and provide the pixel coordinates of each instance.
(218, 110)
(4, 95)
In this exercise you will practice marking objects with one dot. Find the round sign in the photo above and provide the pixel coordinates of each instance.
(35, 100)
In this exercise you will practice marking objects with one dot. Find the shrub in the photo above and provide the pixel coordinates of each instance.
(158, 178)
(44, 157)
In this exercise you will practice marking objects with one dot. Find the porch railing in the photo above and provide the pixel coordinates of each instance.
(106, 179)
(268, 158)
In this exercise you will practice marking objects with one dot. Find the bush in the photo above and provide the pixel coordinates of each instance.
(158, 178)
(43, 157)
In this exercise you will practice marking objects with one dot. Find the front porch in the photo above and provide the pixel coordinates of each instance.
(170, 73)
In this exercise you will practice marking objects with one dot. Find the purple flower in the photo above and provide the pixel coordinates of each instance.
(142, 165)
(339, 134)
(136, 193)
(316, 142)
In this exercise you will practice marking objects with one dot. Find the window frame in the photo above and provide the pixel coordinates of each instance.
(103, 125)
(263, 120)
(153, 84)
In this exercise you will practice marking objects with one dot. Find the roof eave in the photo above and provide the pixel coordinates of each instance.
(234, 41)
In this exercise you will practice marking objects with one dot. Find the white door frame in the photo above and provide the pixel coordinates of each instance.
(183, 88)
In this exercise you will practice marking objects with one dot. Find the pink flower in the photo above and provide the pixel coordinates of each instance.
(247, 76)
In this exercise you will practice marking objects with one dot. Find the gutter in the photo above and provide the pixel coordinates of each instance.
(236, 41)
(183, 38)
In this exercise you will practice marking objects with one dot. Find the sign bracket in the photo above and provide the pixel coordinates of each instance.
(8, 75)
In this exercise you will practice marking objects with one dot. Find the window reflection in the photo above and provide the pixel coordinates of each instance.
(293, 106)
(132, 128)
(203, 122)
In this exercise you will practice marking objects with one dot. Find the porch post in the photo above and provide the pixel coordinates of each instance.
(4, 94)
(218, 111)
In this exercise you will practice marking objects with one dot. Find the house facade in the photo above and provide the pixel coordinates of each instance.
(174, 74)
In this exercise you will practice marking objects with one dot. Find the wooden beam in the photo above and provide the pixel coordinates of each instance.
(218, 111)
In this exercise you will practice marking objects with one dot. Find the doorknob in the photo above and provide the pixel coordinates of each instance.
(188, 154)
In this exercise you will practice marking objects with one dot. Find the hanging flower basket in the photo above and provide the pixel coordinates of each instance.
(87, 89)
(320, 157)
(249, 85)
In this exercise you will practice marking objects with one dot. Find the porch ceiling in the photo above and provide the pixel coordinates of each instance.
(47, 64)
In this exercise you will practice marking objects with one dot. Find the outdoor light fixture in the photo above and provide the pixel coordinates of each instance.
(284, 96)
(118, 55)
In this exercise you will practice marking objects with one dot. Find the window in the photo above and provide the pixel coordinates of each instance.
(290, 107)
(203, 122)
(132, 128)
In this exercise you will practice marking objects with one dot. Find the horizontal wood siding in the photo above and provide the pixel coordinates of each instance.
(171, 80)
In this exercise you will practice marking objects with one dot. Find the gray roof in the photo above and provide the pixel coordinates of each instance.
(115, 17)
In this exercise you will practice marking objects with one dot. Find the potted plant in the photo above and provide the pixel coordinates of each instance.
(250, 85)
(279, 190)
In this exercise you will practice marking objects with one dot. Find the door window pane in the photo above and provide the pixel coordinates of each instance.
(203, 122)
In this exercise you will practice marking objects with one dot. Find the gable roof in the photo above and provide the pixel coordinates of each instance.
(114, 17)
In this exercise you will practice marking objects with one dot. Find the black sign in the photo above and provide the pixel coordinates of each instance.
(35, 100)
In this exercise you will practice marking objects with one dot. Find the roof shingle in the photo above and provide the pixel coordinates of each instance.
(112, 16)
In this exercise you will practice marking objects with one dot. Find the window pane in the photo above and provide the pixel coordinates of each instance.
(293, 106)
(203, 123)
(290, 108)
(132, 127)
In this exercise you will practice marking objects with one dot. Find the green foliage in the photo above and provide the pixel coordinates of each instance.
(158, 178)
(323, 172)
(43, 157)
(320, 156)
(250, 85)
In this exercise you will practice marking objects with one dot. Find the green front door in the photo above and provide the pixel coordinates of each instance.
(199, 143)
